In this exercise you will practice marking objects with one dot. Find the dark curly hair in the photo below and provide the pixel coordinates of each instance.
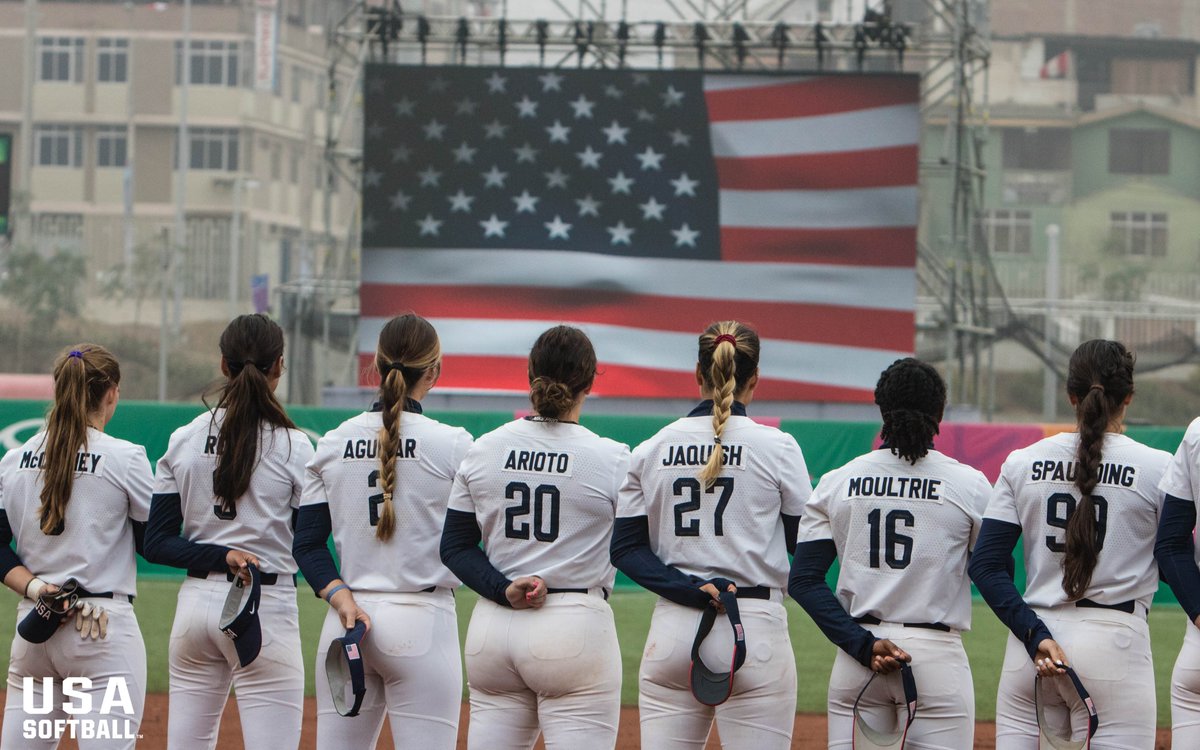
(912, 397)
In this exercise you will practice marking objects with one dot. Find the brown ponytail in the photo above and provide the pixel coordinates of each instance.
(562, 365)
(728, 359)
(251, 347)
(83, 376)
(1100, 377)
(408, 347)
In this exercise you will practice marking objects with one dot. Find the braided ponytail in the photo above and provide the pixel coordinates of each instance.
(1100, 377)
(408, 347)
(728, 359)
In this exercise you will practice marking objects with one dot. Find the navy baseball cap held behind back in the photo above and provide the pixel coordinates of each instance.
(344, 669)
(709, 687)
(239, 616)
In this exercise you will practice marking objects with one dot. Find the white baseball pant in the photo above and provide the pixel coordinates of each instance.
(122, 654)
(761, 712)
(204, 664)
(1185, 691)
(1110, 651)
(557, 668)
(413, 673)
(945, 694)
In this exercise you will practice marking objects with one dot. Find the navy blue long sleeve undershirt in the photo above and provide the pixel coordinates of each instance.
(631, 554)
(1175, 551)
(310, 546)
(991, 570)
(464, 557)
(165, 545)
(8, 556)
(807, 586)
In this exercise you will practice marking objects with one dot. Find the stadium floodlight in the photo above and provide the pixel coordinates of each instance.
(502, 39)
(820, 40)
(542, 29)
(740, 37)
(583, 39)
(423, 29)
(622, 42)
(462, 38)
(779, 40)
(700, 37)
(660, 39)
(860, 45)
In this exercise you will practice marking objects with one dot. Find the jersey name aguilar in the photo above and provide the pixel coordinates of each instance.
(690, 454)
(1116, 475)
(358, 448)
(88, 463)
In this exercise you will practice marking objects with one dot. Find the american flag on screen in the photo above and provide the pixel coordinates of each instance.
(641, 206)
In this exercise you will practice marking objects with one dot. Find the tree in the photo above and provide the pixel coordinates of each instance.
(42, 288)
(136, 282)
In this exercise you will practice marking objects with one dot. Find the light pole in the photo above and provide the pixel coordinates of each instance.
(241, 183)
(182, 151)
(1050, 379)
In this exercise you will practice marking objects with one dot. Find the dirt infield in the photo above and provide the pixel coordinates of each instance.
(808, 735)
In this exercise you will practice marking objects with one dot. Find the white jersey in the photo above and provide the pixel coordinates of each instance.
(734, 529)
(902, 533)
(345, 474)
(111, 488)
(545, 496)
(1182, 478)
(1036, 491)
(262, 520)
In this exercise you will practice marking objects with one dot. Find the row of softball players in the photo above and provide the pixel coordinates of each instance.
(541, 649)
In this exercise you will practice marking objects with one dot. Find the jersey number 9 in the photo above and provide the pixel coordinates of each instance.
(1059, 508)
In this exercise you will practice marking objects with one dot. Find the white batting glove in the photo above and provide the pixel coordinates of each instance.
(90, 620)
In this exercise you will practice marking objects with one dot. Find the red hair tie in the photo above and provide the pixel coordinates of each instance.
(726, 337)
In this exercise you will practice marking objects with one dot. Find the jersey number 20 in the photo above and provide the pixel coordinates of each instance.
(545, 502)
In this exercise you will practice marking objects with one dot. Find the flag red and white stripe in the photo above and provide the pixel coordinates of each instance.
(817, 205)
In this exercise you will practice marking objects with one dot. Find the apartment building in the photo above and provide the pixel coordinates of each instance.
(106, 108)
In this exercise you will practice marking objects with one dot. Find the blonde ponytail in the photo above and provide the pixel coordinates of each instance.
(728, 359)
(408, 347)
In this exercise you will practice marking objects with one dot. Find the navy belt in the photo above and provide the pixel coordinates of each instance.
(1127, 607)
(85, 594)
(754, 592)
(872, 620)
(550, 590)
(265, 579)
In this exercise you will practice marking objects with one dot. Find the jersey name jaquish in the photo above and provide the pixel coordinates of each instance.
(734, 528)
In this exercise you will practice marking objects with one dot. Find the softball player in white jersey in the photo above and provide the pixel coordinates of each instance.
(541, 494)
(76, 502)
(225, 495)
(1178, 560)
(902, 520)
(1088, 505)
(712, 501)
(379, 482)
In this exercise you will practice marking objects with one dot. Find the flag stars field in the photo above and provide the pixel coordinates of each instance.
(761, 193)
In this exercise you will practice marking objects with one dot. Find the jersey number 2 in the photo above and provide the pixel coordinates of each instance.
(374, 500)
(545, 501)
(897, 547)
(691, 488)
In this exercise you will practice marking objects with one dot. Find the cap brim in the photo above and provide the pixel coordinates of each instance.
(342, 670)
(709, 687)
(239, 618)
(868, 738)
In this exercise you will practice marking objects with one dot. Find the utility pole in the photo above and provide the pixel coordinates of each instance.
(183, 154)
(24, 229)
(1050, 379)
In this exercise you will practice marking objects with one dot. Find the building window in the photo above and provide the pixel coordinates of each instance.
(294, 157)
(111, 146)
(1139, 233)
(276, 161)
(58, 145)
(112, 60)
(213, 148)
(213, 63)
(298, 76)
(1139, 151)
(60, 58)
(1045, 149)
(1008, 232)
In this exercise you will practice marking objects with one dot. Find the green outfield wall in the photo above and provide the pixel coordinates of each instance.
(826, 445)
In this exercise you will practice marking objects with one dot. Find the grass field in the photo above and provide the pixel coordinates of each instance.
(155, 607)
